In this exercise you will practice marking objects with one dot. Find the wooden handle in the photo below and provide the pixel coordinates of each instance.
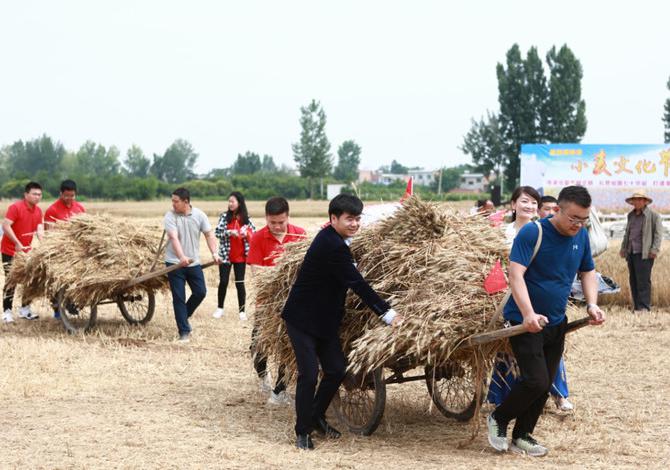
(489, 336)
(160, 272)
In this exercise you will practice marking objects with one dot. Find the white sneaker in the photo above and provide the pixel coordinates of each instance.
(218, 313)
(25, 312)
(563, 404)
(7, 316)
(243, 316)
(281, 398)
(497, 434)
(527, 445)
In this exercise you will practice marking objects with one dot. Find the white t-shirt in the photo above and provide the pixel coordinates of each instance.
(188, 227)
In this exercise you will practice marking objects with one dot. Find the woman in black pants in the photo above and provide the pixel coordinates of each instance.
(234, 231)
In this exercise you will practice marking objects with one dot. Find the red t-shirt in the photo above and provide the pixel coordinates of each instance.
(265, 248)
(26, 220)
(236, 243)
(59, 211)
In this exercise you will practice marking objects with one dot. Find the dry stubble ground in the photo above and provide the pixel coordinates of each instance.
(132, 398)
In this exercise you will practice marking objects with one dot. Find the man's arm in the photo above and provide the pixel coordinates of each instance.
(9, 231)
(532, 321)
(173, 236)
(40, 232)
(590, 288)
(624, 242)
(211, 244)
(341, 265)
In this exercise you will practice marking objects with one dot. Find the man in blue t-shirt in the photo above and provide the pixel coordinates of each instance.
(540, 291)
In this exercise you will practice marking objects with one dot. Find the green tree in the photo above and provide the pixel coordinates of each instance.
(451, 177)
(348, 159)
(268, 164)
(397, 168)
(176, 164)
(246, 164)
(566, 110)
(516, 118)
(24, 160)
(666, 118)
(95, 159)
(485, 145)
(312, 153)
(136, 163)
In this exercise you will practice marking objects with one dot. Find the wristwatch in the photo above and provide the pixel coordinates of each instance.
(588, 306)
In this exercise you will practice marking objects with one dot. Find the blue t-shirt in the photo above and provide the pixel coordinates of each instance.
(551, 273)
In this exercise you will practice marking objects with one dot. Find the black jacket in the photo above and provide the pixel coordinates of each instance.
(315, 304)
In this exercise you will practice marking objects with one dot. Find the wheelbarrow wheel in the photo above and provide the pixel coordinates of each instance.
(453, 388)
(76, 318)
(137, 306)
(359, 403)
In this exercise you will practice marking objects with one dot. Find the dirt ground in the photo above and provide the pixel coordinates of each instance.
(127, 397)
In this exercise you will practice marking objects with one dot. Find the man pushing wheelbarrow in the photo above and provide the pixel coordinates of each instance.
(540, 288)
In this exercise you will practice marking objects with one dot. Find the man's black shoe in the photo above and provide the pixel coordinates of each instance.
(322, 427)
(304, 441)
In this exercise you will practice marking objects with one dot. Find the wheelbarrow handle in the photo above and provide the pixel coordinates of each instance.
(159, 272)
(489, 336)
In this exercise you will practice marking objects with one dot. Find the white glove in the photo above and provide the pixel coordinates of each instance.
(389, 316)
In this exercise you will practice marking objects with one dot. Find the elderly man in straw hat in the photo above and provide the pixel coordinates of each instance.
(640, 246)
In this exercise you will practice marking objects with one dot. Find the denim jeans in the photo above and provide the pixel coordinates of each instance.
(183, 309)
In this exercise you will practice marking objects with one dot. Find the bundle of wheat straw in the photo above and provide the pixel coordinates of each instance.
(91, 256)
(430, 264)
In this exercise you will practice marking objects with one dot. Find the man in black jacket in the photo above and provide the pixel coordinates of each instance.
(313, 314)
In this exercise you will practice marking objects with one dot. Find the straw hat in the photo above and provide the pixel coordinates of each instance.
(640, 193)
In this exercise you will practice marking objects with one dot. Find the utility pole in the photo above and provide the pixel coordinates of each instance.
(439, 183)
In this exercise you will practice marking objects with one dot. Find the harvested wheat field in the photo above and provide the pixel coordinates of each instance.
(131, 397)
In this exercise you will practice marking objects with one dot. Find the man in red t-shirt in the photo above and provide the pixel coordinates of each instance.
(266, 245)
(65, 206)
(22, 220)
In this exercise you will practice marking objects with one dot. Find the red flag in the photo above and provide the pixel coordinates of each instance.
(495, 281)
(409, 190)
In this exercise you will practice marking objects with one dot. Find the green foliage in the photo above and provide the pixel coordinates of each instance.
(176, 164)
(246, 164)
(136, 163)
(566, 110)
(268, 165)
(394, 191)
(94, 159)
(485, 144)
(451, 177)
(532, 110)
(348, 159)
(397, 168)
(666, 118)
(26, 159)
(312, 153)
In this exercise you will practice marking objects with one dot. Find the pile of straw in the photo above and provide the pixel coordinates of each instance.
(91, 256)
(430, 264)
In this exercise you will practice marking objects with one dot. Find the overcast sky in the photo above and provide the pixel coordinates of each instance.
(403, 79)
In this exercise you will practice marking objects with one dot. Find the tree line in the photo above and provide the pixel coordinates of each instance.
(539, 102)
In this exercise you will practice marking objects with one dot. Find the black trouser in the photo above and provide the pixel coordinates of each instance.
(261, 364)
(8, 292)
(309, 352)
(537, 355)
(224, 274)
(639, 276)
